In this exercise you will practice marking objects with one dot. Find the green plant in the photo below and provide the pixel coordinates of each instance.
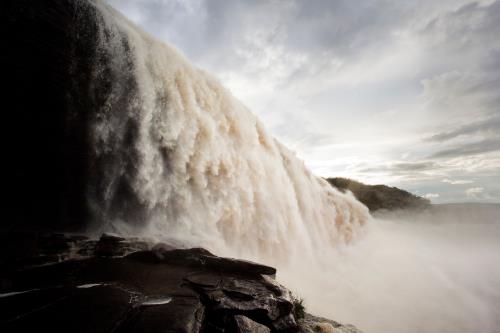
(299, 309)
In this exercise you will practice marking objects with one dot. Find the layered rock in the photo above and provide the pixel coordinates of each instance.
(77, 284)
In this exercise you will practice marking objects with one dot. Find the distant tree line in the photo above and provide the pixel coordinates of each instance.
(379, 197)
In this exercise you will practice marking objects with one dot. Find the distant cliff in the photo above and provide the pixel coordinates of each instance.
(378, 197)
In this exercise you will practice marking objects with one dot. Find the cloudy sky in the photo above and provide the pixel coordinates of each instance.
(400, 92)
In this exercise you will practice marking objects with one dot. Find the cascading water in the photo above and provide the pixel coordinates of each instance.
(178, 157)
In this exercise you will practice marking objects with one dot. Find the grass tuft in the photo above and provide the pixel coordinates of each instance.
(299, 309)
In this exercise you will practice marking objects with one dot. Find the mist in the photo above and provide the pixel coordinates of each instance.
(429, 272)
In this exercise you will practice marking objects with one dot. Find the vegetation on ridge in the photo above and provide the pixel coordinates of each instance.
(299, 310)
(377, 197)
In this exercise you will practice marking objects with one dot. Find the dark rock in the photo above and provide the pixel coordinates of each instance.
(61, 81)
(261, 299)
(285, 323)
(246, 325)
(238, 266)
(16, 246)
(97, 309)
(160, 290)
(164, 247)
(204, 280)
(48, 61)
(86, 248)
(32, 248)
(180, 315)
(111, 238)
(55, 244)
(149, 257)
(198, 257)
(20, 302)
(116, 246)
(313, 324)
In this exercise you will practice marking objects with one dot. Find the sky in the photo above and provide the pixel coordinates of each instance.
(398, 92)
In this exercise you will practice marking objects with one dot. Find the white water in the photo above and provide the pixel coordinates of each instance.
(200, 167)
(201, 170)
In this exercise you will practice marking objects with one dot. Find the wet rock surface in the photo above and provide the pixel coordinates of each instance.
(313, 324)
(246, 325)
(113, 284)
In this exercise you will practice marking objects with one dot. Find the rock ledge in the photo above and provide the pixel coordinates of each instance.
(114, 284)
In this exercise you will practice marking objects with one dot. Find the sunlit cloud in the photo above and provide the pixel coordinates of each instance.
(457, 181)
(474, 192)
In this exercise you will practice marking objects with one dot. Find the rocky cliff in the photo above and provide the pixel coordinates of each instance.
(49, 97)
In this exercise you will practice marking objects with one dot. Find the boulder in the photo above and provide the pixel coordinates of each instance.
(180, 315)
(246, 325)
(313, 324)
(115, 246)
(198, 257)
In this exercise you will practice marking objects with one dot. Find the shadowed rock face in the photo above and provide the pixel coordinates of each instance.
(244, 324)
(47, 64)
(69, 283)
(59, 83)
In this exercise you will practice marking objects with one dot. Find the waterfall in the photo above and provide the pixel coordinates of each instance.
(177, 157)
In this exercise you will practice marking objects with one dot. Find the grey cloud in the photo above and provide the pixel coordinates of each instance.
(402, 167)
(300, 133)
(206, 29)
(463, 68)
(457, 181)
(340, 27)
(468, 149)
(487, 127)
(407, 166)
(345, 27)
(460, 28)
(178, 22)
(474, 192)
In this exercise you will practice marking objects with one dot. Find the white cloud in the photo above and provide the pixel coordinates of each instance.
(431, 195)
(457, 181)
(474, 192)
